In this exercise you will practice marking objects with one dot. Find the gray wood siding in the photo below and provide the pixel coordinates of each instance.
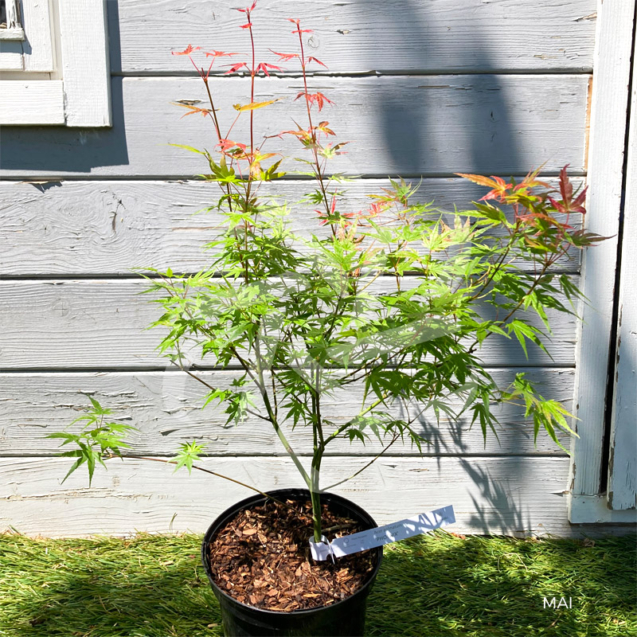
(166, 408)
(106, 228)
(101, 323)
(432, 125)
(422, 89)
(514, 495)
(392, 36)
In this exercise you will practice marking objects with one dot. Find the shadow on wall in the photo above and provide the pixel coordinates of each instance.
(57, 149)
(488, 133)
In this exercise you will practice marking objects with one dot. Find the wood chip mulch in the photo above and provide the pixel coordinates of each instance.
(262, 558)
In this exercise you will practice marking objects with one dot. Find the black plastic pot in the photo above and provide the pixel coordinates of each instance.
(345, 618)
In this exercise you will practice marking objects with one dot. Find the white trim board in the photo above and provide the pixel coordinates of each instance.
(593, 509)
(85, 68)
(622, 465)
(39, 33)
(609, 106)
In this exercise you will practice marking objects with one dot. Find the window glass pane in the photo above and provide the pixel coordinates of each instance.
(9, 14)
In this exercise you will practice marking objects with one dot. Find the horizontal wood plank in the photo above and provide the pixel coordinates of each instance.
(490, 495)
(106, 228)
(375, 35)
(166, 408)
(101, 324)
(404, 125)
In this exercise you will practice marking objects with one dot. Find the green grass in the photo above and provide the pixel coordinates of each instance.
(435, 586)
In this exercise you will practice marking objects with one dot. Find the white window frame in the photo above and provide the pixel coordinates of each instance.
(33, 23)
(64, 78)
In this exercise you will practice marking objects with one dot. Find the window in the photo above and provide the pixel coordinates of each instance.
(10, 23)
(54, 63)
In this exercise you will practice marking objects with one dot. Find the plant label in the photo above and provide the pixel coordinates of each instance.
(382, 535)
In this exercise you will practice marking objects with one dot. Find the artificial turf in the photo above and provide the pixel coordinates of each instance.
(434, 586)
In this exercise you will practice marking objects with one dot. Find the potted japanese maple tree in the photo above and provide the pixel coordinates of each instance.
(304, 316)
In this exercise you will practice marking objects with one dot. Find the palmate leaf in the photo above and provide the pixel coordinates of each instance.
(97, 440)
(97, 408)
(523, 332)
(546, 414)
(479, 179)
(296, 410)
(81, 459)
(66, 436)
(482, 412)
(252, 106)
(192, 110)
(188, 454)
(491, 213)
(237, 405)
(205, 153)
(356, 434)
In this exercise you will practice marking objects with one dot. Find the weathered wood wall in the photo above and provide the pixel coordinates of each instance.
(425, 89)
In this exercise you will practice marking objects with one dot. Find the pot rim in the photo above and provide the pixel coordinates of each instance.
(256, 499)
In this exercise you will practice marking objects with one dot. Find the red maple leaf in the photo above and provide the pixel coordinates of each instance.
(323, 128)
(571, 206)
(578, 204)
(297, 21)
(322, 217)
(498, 186)
(566, 187)
(228, 144)
(214, 55)
(377, 208)
(235, 67)
(247, 10)
(499, 192)
(568, 204)
(193, 109)
(530, 181)
(264, 66)
(313, 59)
(304, 136)
(218, 54)
(187, 51)
(315, 98)
(285, 57)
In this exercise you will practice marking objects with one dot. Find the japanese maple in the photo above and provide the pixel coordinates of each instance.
(306, 316)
